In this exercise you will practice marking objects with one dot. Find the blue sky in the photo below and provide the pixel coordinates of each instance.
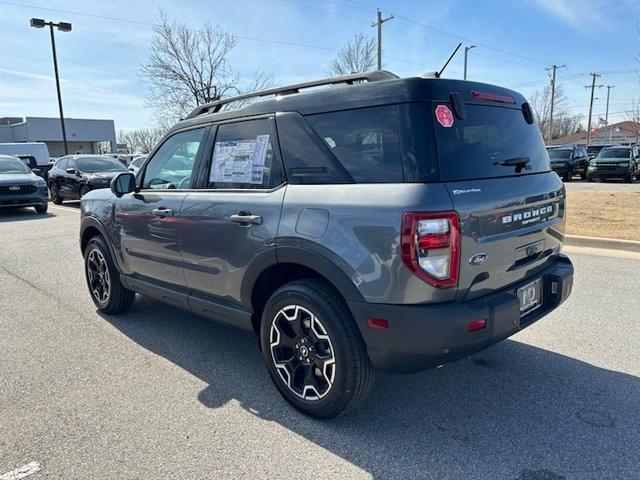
(99, 60)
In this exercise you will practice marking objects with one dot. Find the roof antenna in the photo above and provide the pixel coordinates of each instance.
(445, 65)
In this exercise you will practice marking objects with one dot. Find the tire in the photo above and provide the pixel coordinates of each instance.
(84, 189)
(567, 176)
(103, 279)
(42, 208)
(56, 198)
(300, 320)
(583, 176)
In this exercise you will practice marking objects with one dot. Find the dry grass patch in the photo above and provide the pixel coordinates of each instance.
(604, 214)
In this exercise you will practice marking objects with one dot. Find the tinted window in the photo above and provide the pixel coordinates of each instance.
(307, 159)
(62, 164)
(615, 153)
(473, 147)
(243, 156)
(99, 164)
(559, 154)
(172, 165)
(365, 141)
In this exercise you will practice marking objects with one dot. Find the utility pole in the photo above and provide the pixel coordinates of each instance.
(592, 87)
(466, 51)
(378, 24)
(63, 27)
(606, 115)
(553, 69)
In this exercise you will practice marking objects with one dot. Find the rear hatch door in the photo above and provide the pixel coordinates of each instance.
(511, 205)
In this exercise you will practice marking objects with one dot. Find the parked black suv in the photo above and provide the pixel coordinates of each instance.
(569, 160)
(72, 176)
(386, 223)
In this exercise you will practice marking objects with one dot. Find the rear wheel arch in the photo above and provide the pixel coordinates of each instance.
(292, 267)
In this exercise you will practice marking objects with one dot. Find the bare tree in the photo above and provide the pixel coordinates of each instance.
(563, 122)
(357, 55)
(186, 68)
(142, 140)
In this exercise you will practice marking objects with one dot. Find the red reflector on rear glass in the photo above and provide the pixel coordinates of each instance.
(493, 97)
(377, 323)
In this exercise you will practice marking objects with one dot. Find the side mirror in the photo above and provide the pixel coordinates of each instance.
(72, 171)
(123, 183)
(37, 171)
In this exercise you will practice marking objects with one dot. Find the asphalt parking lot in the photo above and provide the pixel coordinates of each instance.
(159, 393)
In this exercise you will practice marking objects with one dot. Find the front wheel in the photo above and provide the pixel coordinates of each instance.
(56, 198)
(313, 349)
(567, 176)
(42, 208)
(103, 279)
(84, 190)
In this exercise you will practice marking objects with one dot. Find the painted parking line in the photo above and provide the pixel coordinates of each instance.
(21, 472)
(68, 209)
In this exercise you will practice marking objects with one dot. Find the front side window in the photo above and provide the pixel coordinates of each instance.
(366, 141)
(172, 165)
(62, 164)
(243, 156)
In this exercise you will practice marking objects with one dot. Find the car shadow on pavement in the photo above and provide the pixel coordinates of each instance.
(513, 411)
(22, 214)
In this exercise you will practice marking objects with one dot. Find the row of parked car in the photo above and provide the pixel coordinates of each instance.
(596, 162)
(23, 184)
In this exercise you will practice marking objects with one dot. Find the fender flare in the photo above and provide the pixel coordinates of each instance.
(92, 222)
(325, 263)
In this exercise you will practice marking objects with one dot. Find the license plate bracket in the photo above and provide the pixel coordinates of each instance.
(530, 297)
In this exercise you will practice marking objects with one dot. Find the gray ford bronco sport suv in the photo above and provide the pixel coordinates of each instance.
(377, 223)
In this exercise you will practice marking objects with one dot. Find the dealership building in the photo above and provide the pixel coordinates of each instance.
(83, 134)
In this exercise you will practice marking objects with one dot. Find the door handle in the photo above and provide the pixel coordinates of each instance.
(246, 218)
(162, 212)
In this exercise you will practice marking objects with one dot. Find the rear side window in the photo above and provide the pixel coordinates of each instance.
(62, 164)
(365, 141)
(243, 156)
(474, 147)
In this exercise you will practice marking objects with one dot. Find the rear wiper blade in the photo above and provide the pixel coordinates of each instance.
(513, 162)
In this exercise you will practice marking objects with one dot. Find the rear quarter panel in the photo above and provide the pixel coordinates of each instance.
(357, 227)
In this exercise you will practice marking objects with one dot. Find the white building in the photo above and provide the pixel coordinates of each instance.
(83, 135)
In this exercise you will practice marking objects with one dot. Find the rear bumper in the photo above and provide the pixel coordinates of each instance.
(424, 336)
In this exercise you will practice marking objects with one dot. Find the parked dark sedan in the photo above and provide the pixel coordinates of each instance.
(20, 186)
(73, 176)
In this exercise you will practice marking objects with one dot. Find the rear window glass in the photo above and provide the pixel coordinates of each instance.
(557, 154)
(366, 141)
(615, 153)
(474, 147)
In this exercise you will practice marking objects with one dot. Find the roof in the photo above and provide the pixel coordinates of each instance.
(382, 91)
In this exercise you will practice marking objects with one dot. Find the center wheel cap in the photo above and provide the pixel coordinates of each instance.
(304, 351)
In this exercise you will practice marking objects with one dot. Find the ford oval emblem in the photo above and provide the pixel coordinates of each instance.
(478, 258)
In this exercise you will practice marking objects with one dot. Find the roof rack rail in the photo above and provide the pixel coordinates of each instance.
(374, 76)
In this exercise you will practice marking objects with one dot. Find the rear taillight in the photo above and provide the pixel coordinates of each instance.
(430, 246)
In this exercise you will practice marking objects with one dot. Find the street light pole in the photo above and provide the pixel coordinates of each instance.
(63, 27)
(466, 51)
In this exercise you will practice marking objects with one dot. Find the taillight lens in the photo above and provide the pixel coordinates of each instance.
(430, 246)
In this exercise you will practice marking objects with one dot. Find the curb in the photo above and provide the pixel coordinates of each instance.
(602, 242)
